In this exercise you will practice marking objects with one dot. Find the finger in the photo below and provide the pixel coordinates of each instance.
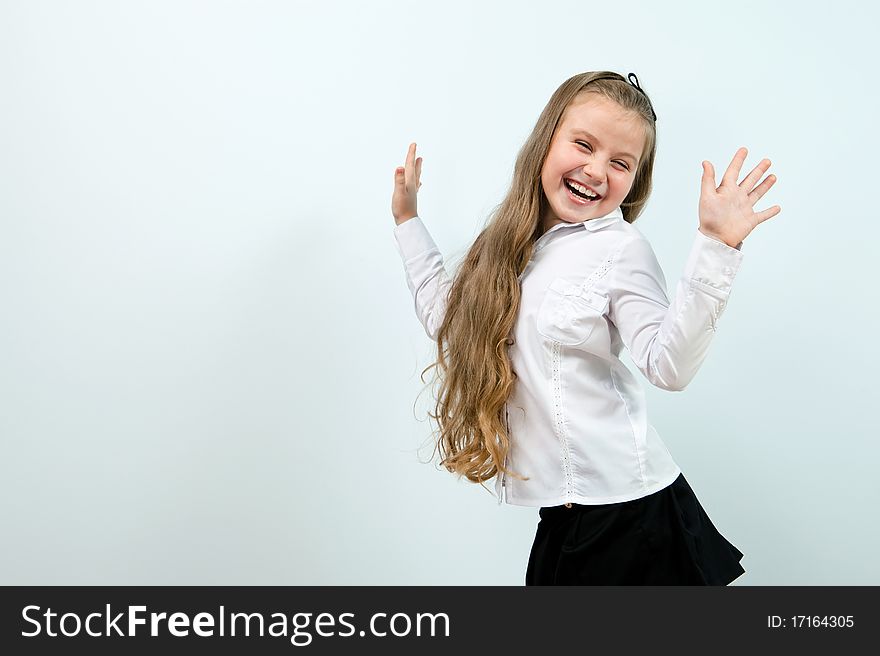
(732, 173)
(769, 213)
(708, 182)
(755, 174)
(410, 163)
(399, 177)
(419, 170)
(761, 189)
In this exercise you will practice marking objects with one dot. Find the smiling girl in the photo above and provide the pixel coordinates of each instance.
(530, 329)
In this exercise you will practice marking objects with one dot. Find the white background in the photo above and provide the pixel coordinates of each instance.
(209, 359)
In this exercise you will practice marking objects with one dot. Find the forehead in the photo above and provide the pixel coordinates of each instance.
(613, 126)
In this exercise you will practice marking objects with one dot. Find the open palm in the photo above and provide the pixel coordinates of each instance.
(404, 200)
(726, 212)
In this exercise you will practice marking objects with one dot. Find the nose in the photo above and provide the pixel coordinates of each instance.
(594, 172)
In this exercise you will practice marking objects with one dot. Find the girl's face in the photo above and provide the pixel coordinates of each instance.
(598, 145)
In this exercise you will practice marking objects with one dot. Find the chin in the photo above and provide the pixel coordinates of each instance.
(579, 217)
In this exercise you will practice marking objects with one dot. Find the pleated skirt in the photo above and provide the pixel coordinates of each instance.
(665, 538)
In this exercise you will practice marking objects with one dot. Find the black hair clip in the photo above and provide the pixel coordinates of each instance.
(633, 80)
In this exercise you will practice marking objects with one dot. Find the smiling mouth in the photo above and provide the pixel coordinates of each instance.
(578, 195)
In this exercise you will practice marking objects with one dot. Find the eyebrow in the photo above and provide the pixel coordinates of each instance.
(590, 136)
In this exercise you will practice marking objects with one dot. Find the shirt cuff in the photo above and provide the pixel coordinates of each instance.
(712, 263)
(412, 238)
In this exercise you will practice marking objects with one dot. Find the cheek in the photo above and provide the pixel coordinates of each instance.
(624, 184)
(550, 178)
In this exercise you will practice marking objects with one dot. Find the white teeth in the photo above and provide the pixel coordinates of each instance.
(582, 189)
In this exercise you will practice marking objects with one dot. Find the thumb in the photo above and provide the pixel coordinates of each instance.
(708, 182)
(399, 177)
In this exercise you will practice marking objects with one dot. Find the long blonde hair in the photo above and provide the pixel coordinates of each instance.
(475, 372)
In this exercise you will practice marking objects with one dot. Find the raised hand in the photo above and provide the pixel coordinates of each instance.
(726, 212)
(406, 187)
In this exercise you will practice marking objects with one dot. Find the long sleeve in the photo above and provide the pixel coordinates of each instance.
(426, 276)
(668, 342)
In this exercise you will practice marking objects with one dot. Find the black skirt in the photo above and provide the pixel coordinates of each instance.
(665, 538)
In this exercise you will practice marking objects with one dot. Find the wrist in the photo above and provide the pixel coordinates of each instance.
(399, 221)
(719, 238)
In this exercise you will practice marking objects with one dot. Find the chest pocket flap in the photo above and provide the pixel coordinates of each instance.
(569, 313)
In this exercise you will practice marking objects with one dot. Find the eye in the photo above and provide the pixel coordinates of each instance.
(585, 144)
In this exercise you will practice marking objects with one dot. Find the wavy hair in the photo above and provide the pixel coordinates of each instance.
(473, 364)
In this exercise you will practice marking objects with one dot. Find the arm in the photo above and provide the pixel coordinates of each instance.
(668, 342)
(426, 276)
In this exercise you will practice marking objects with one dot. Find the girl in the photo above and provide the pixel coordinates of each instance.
(530, 329)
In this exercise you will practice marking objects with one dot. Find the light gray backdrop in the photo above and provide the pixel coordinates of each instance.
(209, 358)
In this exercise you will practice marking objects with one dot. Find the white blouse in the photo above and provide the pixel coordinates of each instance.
(577, 416)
